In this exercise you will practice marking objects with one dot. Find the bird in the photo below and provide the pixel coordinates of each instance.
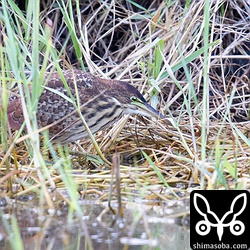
(101, 102)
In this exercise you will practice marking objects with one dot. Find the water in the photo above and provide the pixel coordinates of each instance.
(143, 226)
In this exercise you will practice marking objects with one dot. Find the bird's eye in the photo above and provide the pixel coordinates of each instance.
(133, 98)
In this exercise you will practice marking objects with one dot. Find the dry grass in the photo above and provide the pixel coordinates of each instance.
(154, 48)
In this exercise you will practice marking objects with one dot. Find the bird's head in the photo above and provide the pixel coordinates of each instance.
(133, 101)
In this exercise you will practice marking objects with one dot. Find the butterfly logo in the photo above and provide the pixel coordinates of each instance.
(203, 227)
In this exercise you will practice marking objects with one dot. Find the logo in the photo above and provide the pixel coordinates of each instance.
(220, 219)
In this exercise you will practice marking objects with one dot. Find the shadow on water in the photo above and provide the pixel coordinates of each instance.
(143, 226)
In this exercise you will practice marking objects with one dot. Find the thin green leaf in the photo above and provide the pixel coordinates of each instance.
(159, 174)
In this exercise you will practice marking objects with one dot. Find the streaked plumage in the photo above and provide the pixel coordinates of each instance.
(102, 102)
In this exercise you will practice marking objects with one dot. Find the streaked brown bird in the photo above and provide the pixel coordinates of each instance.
(102, 103)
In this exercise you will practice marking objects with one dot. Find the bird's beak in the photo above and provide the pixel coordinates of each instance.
(147, 110)
(153, 111)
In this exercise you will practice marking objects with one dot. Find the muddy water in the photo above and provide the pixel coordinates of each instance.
(143, 226)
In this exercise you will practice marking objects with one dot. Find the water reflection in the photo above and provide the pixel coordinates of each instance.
(143, 227)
